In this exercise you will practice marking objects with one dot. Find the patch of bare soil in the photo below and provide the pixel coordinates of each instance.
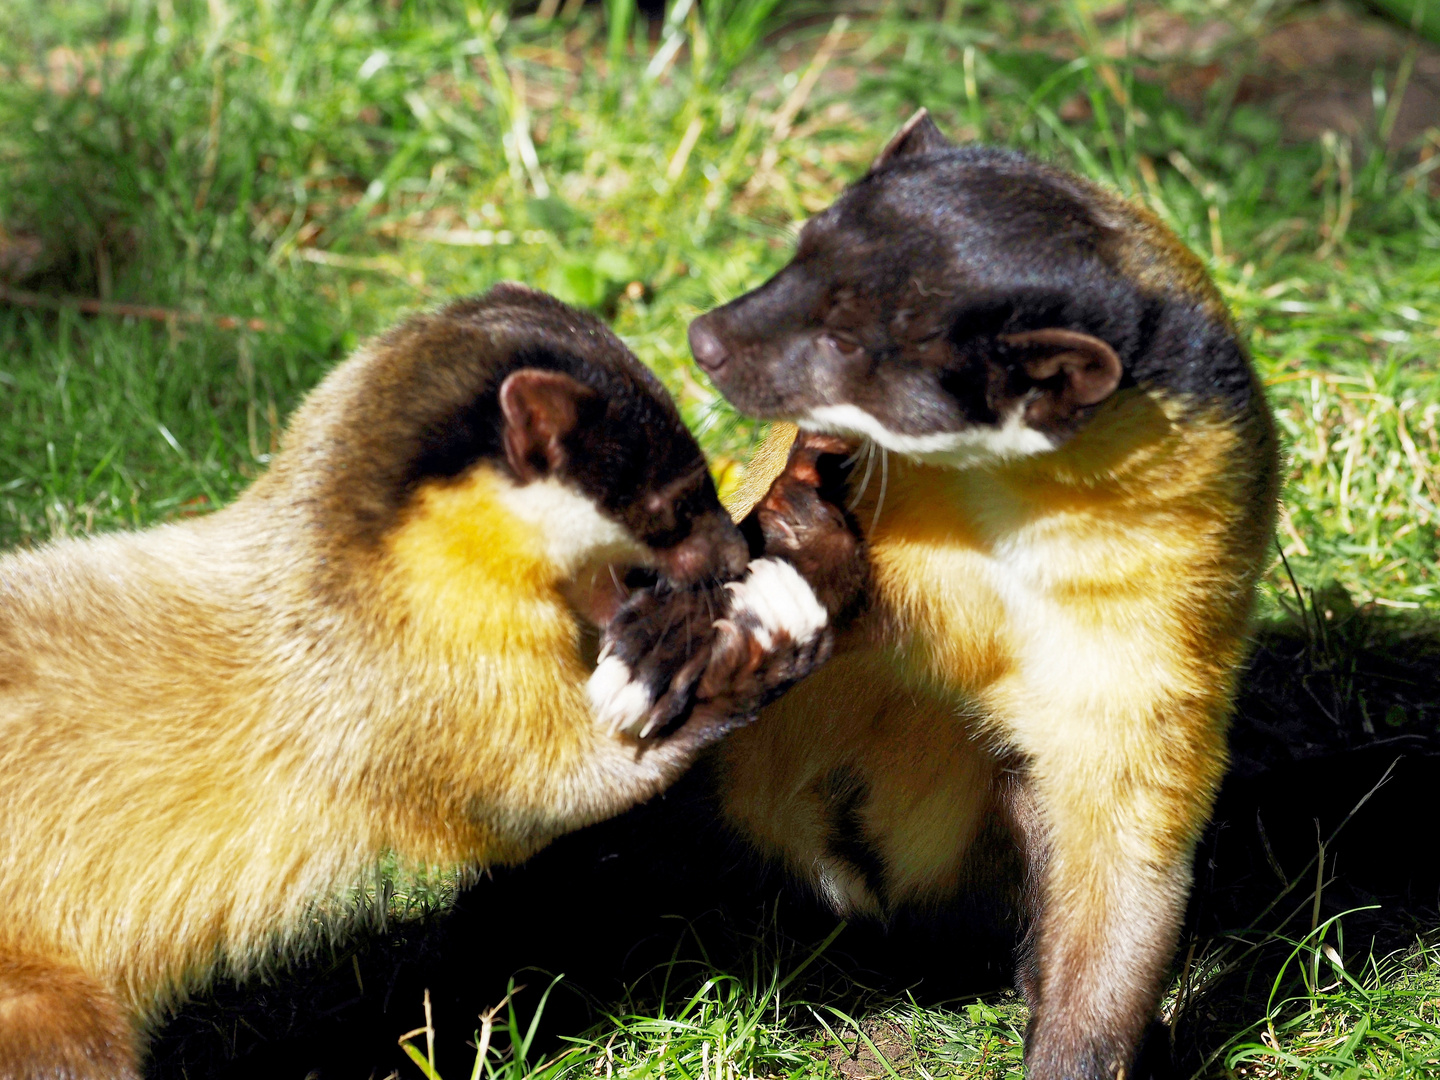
(1318, 71)
(859, 1060)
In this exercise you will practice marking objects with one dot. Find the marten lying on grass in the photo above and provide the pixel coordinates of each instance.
(210, 731)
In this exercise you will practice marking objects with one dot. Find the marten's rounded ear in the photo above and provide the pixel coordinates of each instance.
(918, 136)
(540, 408)
(1075, 370)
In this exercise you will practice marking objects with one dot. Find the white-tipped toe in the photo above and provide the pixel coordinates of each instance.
(780, 600)
(619, 702)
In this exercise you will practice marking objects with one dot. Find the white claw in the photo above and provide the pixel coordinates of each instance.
(619, 702)
(780, 600)
(726, 627)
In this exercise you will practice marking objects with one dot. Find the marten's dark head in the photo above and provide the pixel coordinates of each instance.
(546, 396)
(958, 303)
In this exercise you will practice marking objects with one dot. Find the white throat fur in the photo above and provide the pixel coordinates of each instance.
(953, 449)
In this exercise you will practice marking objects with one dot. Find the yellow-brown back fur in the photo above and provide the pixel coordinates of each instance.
(209, 731)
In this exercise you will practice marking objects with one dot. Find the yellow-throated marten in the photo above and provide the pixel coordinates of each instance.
(1070, 489)
(210, 730)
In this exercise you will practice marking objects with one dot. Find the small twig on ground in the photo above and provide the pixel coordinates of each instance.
(379, 264)
(22, 298)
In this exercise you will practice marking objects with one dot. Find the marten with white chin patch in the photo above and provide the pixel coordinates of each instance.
(209, 731)
(1071, 490)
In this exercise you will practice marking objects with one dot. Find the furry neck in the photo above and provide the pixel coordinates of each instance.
(477, 564)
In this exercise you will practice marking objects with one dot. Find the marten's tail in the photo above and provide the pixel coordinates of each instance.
(57, 1023)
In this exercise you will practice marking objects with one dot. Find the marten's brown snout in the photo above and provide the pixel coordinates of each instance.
(715, 548)
(709, 351)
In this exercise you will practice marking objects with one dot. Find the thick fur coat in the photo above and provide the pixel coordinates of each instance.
(210, 731)
(1067, 483)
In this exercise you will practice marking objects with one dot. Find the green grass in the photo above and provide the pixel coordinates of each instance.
(1382, 1021)
(315, 169)
(783, 1012)
(323, 168)
(693, 1021)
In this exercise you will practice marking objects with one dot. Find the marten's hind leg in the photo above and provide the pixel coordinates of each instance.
(57, 1023)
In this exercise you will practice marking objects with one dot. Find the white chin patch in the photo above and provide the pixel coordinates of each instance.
(619, 703)
(778, 599)
(974, 446)
(573, 529)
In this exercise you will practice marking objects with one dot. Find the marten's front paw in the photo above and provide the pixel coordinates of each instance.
(652, 656)
(775, 633)
(801, 519)
(724, 650)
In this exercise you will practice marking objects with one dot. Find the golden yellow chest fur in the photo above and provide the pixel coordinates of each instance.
(1074, 570)
(1078, 611)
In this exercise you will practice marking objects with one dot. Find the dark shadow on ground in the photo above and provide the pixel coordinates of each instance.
(1326, 709)
(1337, 728)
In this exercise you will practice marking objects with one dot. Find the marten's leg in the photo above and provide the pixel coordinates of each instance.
(1118, 837)
(57, 1023)
(1020, 815)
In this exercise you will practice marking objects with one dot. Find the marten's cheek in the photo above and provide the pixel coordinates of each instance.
(597, 593)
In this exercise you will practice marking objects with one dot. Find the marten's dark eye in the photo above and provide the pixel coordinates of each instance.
(847, 347)
(639, 577)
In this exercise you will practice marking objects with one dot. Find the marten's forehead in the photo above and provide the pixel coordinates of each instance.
(937, 227)
(649, 446)
(940, 196)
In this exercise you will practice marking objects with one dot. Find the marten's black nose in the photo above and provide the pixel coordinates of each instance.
(709, 353)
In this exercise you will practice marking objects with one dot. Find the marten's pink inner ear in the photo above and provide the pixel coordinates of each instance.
(540, 408)
(918, 136)
(1090, 367)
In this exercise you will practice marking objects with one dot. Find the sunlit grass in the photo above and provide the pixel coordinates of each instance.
(324, 169)
(315, 170)
(1379, 1021)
